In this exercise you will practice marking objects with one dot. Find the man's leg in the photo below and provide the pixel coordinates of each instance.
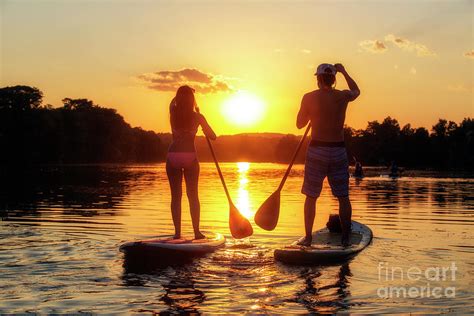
(338, 177)
(309, 214)
(315, 171)
(345, 214)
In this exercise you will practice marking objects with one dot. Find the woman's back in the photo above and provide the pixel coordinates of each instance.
(183, 137)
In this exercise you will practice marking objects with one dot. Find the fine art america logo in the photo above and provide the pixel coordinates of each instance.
(431, 282)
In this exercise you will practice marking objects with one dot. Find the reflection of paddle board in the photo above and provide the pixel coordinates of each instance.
(326, 247)
(166, 245)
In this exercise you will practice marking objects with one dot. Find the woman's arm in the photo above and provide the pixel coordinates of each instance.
(206, 128)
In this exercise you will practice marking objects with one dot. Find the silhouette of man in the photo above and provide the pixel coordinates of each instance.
(326, 108)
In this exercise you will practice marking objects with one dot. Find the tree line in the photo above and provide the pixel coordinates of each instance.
(77, 132)
(80, 131)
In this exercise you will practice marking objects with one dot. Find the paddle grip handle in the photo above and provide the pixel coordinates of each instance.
(294, 158)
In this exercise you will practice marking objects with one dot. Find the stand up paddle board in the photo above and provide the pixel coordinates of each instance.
(166, 245)
(326, 247)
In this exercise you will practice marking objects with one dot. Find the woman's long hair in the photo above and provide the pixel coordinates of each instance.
(182, 109)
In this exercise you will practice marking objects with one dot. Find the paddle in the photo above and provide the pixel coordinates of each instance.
(239, 226)
(267, 215)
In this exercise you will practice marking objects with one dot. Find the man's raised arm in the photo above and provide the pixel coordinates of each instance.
(354, 89)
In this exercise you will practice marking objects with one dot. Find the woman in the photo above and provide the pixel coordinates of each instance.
(185, 120)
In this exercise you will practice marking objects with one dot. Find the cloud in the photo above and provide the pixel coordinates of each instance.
(405, 44)
(379, 46)
(469, 54)
(413, 70)
(306, 51)
(460, 88)
(373, 46)
(167, 80)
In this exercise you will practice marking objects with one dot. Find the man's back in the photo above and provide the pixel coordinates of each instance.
(327, 111)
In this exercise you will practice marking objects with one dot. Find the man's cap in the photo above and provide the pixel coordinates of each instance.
(326, 69)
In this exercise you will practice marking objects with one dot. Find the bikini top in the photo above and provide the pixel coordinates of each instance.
(180, 135)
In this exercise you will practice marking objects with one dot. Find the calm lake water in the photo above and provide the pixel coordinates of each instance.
(61, 228)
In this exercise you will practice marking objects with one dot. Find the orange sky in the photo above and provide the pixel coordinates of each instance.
(252, 60)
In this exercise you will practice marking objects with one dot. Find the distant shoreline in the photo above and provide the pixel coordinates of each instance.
(370, 171)
(81, 132)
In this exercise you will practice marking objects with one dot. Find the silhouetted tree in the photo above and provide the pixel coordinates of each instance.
(20, 98)
(77, 104)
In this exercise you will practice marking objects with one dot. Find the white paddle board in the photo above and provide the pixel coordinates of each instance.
(326, 247)
(167, 245)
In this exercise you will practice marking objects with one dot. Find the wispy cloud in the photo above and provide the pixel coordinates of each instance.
(405, 44)
(413, 70)
(373, 46)
(306, 51)
(469, 54)
(167, 80)
(380, 46)
(460, 88)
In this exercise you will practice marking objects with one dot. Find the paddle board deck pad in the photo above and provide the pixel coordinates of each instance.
(326, 247)
(166, 245)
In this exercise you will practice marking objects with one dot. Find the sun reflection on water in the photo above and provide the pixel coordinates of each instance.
(243, 198)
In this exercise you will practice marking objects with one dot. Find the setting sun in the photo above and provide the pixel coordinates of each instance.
(243, 108)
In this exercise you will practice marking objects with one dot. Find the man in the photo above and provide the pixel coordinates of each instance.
(325, 109)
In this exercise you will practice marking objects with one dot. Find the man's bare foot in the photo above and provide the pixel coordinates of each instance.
(199, 235)
(177, 236)
(345, 241)
(306, 242)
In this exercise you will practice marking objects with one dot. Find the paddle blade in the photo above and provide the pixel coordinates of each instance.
(267, 215)
(240, 227)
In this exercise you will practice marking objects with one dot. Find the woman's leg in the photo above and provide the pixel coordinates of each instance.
(175, 177)
(191, 176)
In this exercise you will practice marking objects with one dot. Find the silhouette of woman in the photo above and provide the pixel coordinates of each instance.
(181, 160)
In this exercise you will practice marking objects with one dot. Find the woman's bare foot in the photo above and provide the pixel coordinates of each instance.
(199, 235)
(177, 236)
(306, 242)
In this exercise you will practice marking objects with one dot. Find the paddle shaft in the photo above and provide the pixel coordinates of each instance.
(219, 170)
(294, 158)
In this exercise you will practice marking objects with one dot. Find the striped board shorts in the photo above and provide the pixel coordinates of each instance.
(322, 162)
